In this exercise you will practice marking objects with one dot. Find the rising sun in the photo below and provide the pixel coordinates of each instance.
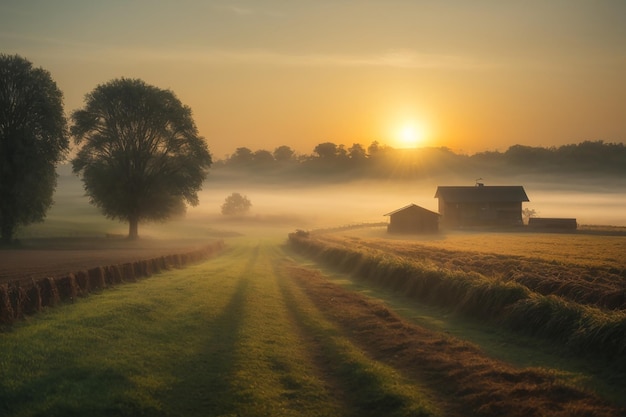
(410, 135)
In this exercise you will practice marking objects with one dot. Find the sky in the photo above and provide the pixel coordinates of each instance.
(469, 75)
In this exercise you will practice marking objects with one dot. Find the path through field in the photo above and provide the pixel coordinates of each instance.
(257, 332)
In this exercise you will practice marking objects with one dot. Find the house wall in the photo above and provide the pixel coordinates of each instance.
(480, 214)
(410, 221)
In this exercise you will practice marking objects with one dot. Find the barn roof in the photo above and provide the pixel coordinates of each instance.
(412, 206)
(482, 194)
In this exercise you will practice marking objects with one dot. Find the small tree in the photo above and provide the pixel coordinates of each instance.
(242, 156)
(141, 156)
(326, 150)
(527, 213)
(263, 157)
(284, 154)
(33, 139)
(236, 204)
(357, 152)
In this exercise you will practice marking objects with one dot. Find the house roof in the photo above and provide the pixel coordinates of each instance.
(482, 194)
(412, 207)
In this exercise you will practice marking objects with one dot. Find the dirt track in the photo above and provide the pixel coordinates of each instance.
(56, 257)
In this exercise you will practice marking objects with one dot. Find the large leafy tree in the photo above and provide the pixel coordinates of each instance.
(141, 158)
(33, 140)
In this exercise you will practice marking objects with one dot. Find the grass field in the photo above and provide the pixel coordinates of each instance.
(584, 269)
(215, 339)
(590, 248)
(260, 331)
(577, 306)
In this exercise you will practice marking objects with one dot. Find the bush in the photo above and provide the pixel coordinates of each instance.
(236, 204)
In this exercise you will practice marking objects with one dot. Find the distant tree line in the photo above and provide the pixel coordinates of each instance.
(380, 161)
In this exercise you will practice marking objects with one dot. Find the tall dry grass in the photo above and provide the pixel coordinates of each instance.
(585, 330)
(583, 282)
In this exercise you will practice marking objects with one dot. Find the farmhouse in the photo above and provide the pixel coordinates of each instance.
(413, 219)
(481, 205)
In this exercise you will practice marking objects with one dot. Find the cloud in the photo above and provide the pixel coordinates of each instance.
(21, 41)
(247, 11)
(394, 59)
(240, 11)
(388, 59)
(79, 50)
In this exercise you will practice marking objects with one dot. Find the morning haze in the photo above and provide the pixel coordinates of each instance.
(313, 208)
(340, 188)
(471, 76)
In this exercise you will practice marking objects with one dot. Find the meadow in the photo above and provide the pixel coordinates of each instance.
(261, 330)
(232, 336)
(343, 321)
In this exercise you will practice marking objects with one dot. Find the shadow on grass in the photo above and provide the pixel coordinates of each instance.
(64, 395)
(205, 386)
(359, 389)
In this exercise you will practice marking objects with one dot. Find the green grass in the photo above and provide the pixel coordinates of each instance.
(231, 336)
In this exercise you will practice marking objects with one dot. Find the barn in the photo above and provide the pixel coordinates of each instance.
(481, 205)
(413, 219)
(542, 223)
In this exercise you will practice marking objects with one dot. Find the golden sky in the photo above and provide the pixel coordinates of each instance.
(471, 75)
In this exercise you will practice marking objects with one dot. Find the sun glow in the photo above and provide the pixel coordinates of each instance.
(410, 135)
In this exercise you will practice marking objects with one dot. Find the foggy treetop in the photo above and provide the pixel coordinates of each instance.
(377, 161)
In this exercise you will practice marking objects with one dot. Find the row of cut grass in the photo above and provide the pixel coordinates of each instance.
(585, 330)
(581, 283)
(500, 343)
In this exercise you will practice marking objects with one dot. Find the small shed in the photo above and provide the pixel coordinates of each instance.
(413, 219)
(481, 205)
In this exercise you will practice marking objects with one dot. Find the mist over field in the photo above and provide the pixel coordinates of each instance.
(330, 205)
(281, 205)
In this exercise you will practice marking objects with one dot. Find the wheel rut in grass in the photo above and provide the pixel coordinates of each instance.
(212, 367)
(270, 371)
(458, 371)
(359, 396)
(286, 359)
